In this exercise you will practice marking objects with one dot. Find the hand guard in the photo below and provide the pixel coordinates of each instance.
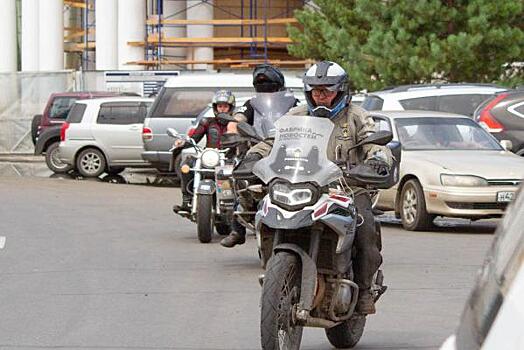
(380, 166)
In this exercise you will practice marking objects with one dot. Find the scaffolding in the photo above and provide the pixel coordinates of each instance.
(253, 20)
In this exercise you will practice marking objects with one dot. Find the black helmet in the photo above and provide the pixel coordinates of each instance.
(223, 96)
(332, 76)
(267, 78)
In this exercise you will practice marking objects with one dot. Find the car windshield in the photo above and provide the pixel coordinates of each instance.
(443, 133)
(189, 102)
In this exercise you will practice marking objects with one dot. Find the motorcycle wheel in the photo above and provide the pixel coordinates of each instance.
(223, 229)
(280, 292)
(348, 333)
(205, 218)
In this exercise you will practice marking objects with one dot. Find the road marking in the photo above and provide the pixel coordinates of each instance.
(2, 242)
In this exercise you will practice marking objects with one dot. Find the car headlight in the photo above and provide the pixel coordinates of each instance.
(210, 158)
(291, 196)
(462, 180)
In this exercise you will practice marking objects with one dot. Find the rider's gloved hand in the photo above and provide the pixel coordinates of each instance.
(179, 143)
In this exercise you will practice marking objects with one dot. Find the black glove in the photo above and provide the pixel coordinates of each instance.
(381, 168)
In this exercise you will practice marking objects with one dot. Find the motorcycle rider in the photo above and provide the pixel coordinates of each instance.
(328, 96)
(266, 79)
(213, 128)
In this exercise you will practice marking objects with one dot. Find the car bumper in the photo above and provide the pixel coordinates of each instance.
(469, 202)
(68, 150)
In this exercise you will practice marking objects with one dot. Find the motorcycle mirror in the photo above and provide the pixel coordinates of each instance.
(226, 116)
(380, 138)
(247, 130)
(172, 132)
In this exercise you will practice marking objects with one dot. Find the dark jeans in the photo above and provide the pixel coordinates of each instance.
(185, 179)
(368, 257)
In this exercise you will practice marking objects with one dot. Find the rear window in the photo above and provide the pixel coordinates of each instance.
(461, 104)
(122, 113)
(419, 103)
(76, 113)
(188, 103)
(61, 107)
(372, 103)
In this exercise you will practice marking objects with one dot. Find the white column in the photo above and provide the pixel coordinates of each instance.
(30, 35)
(131, 27)
(198, 9)
(175, 10)
(8, 36)
(51, 35)
(106, 34)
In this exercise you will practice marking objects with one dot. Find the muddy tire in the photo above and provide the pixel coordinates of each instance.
(348, 333)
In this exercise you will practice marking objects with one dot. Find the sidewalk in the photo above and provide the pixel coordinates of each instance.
(21, 158)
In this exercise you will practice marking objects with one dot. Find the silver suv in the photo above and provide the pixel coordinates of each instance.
(104, 135)
(453, 98)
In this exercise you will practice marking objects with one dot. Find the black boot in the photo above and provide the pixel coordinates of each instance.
(186, 204)
(232, 240)
(365, 303)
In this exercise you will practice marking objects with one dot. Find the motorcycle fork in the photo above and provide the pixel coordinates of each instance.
(196, 183)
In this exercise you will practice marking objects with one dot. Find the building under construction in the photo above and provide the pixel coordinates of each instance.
(51, 35)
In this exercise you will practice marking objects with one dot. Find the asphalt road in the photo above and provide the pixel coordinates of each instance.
(94, 265)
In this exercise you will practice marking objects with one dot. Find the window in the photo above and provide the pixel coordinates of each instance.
(187, 102)
(461, 104)
(419, 103)
(61, 106)
(76, 113)
(122, 113)
(372, 103)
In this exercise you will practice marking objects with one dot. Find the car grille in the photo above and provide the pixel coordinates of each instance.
(459, 205)
(504, 182)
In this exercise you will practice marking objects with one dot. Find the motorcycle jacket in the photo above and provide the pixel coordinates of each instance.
(212, 129)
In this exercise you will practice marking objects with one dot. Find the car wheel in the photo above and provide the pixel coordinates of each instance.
(53, 161)
(90, 163)
(413, 211)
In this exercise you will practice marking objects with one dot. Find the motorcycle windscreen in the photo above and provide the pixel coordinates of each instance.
(268, 108)
(299, 153)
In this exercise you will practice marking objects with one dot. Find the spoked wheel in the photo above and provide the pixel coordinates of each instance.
(280, 295)
(52, 159)
(91, 163)
(413, 207)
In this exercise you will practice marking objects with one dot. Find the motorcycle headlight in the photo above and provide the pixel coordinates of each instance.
(292, 197)
(210, 158)
(462, 180)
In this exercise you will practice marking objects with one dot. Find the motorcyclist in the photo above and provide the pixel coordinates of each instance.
(327, 96)
(213, 128)
(266, 79)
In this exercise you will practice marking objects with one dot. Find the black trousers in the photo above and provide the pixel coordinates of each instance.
(368, 257)
(185, 179)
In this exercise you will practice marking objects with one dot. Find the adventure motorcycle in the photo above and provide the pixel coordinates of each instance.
(305, 228)
(213, 196)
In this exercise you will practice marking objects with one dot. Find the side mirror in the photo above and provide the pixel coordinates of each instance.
(380, 138)
(172, 132)
(247, 130)
(227, 116)
(506, 144)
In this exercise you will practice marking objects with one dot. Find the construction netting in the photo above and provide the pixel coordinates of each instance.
(23, 95)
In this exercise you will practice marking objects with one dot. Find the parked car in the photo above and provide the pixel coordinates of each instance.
(450, 166)
(181, 100)
(453, 98)
(494, 312)
(104, 135)
(503, 116)
(57, 108)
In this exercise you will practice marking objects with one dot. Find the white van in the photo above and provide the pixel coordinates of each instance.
(183, 98)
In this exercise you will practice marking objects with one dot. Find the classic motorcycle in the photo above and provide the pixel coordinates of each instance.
(305, 229)
(213, 197)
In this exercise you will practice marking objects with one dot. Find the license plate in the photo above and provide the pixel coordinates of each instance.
(505, 196)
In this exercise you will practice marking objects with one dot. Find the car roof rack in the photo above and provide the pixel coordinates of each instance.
(403, 88)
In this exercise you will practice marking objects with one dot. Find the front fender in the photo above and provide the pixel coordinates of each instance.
(206, 186)
(309, 273)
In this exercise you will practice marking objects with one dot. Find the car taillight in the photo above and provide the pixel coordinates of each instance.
(487, 120)
(63, 130)
(147, 134)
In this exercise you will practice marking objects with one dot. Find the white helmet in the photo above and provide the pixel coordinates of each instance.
(334, 78)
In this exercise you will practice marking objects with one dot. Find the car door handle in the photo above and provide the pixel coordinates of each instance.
(134, 127)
